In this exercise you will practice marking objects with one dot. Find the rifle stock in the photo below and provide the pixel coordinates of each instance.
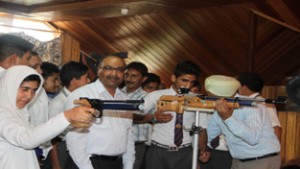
(179, 103)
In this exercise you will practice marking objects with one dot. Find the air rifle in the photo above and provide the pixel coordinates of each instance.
(101, 105)
(182, 102)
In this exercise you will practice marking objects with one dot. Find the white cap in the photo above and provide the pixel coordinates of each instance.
(219, 85)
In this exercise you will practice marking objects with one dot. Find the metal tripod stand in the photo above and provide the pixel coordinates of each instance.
(196, 131)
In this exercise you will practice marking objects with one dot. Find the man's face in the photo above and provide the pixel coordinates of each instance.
(183, 81)
(83, 80)
(24, 60)
(52, 83)
(111, 71)
(150, 87)
(26, 92)
(133, 79)
(35, 62)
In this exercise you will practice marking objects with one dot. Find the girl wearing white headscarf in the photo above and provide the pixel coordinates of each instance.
(17, 137)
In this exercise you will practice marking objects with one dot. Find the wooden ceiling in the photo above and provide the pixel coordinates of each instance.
(221, 36)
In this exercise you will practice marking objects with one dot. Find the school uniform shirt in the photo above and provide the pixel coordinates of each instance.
(112, 137)
(270, 108)
(1, 71)
(248, 132)
(58, 105)
(38, 114)
(163, 133)
(17, 136)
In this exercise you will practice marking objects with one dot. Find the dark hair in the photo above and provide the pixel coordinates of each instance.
(99, 61)
(187, 67)
(33, 53)
(252, 80)
(49, 69)
(151, 77)
(72, 70)
(138, 66)
(11, 44)
(198, 85)
(32, 78)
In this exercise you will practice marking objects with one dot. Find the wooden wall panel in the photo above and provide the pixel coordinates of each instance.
(70, 48)
(290, 141)
(290, 123)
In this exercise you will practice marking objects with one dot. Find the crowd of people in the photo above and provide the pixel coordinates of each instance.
(44, 124)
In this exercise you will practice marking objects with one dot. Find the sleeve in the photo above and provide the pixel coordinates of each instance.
(272, 112)
(248, 129)
(76, 141)
(150, 103)
(129, 156)
(19, 133)
(213, 129)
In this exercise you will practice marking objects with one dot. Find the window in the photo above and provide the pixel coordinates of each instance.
(41, 31)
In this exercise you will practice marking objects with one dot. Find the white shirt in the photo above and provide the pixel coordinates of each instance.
(270, 108)
(58, 103)
(163, 133)
(112, 137)
(38, 109)
(1, 71)
(17, 136)
(38, 114)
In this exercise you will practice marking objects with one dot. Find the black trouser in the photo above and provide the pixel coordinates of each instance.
(218, 159)
(99, 162)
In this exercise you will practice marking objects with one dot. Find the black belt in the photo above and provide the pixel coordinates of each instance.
(170, 148)
(139, 142)
(257, 158)
(104, 157)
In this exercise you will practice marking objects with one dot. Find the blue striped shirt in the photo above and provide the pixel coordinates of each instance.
(248, 132)
(140, 131)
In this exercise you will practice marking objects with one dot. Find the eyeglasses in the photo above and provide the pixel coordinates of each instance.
(109, 68)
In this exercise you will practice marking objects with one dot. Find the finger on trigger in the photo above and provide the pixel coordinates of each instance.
(83, 102)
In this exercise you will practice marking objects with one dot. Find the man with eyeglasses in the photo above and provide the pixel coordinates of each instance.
(108, 145)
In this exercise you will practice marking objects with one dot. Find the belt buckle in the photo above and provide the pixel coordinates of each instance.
(173, 149)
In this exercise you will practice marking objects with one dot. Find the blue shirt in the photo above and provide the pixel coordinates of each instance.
(248, 132)
(140, 131)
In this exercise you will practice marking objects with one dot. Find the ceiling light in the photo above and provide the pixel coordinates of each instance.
(124, 11)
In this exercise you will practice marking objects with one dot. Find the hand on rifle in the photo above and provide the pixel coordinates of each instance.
(162, 117)
(80, 116)
(223, 110)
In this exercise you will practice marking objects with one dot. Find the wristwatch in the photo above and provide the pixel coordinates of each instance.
(153, 120)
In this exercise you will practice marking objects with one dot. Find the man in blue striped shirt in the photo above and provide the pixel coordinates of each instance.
(135, 75)
(248, 131)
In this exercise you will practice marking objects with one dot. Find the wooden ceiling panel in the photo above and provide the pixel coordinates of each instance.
(215, 34)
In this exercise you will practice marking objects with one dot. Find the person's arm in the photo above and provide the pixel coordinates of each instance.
(54, 155)
(19, 132)
(249, 129)
(204, 155)
(278, 131)
(272, 112)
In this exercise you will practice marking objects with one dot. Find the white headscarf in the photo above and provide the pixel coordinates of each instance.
(10, 82)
